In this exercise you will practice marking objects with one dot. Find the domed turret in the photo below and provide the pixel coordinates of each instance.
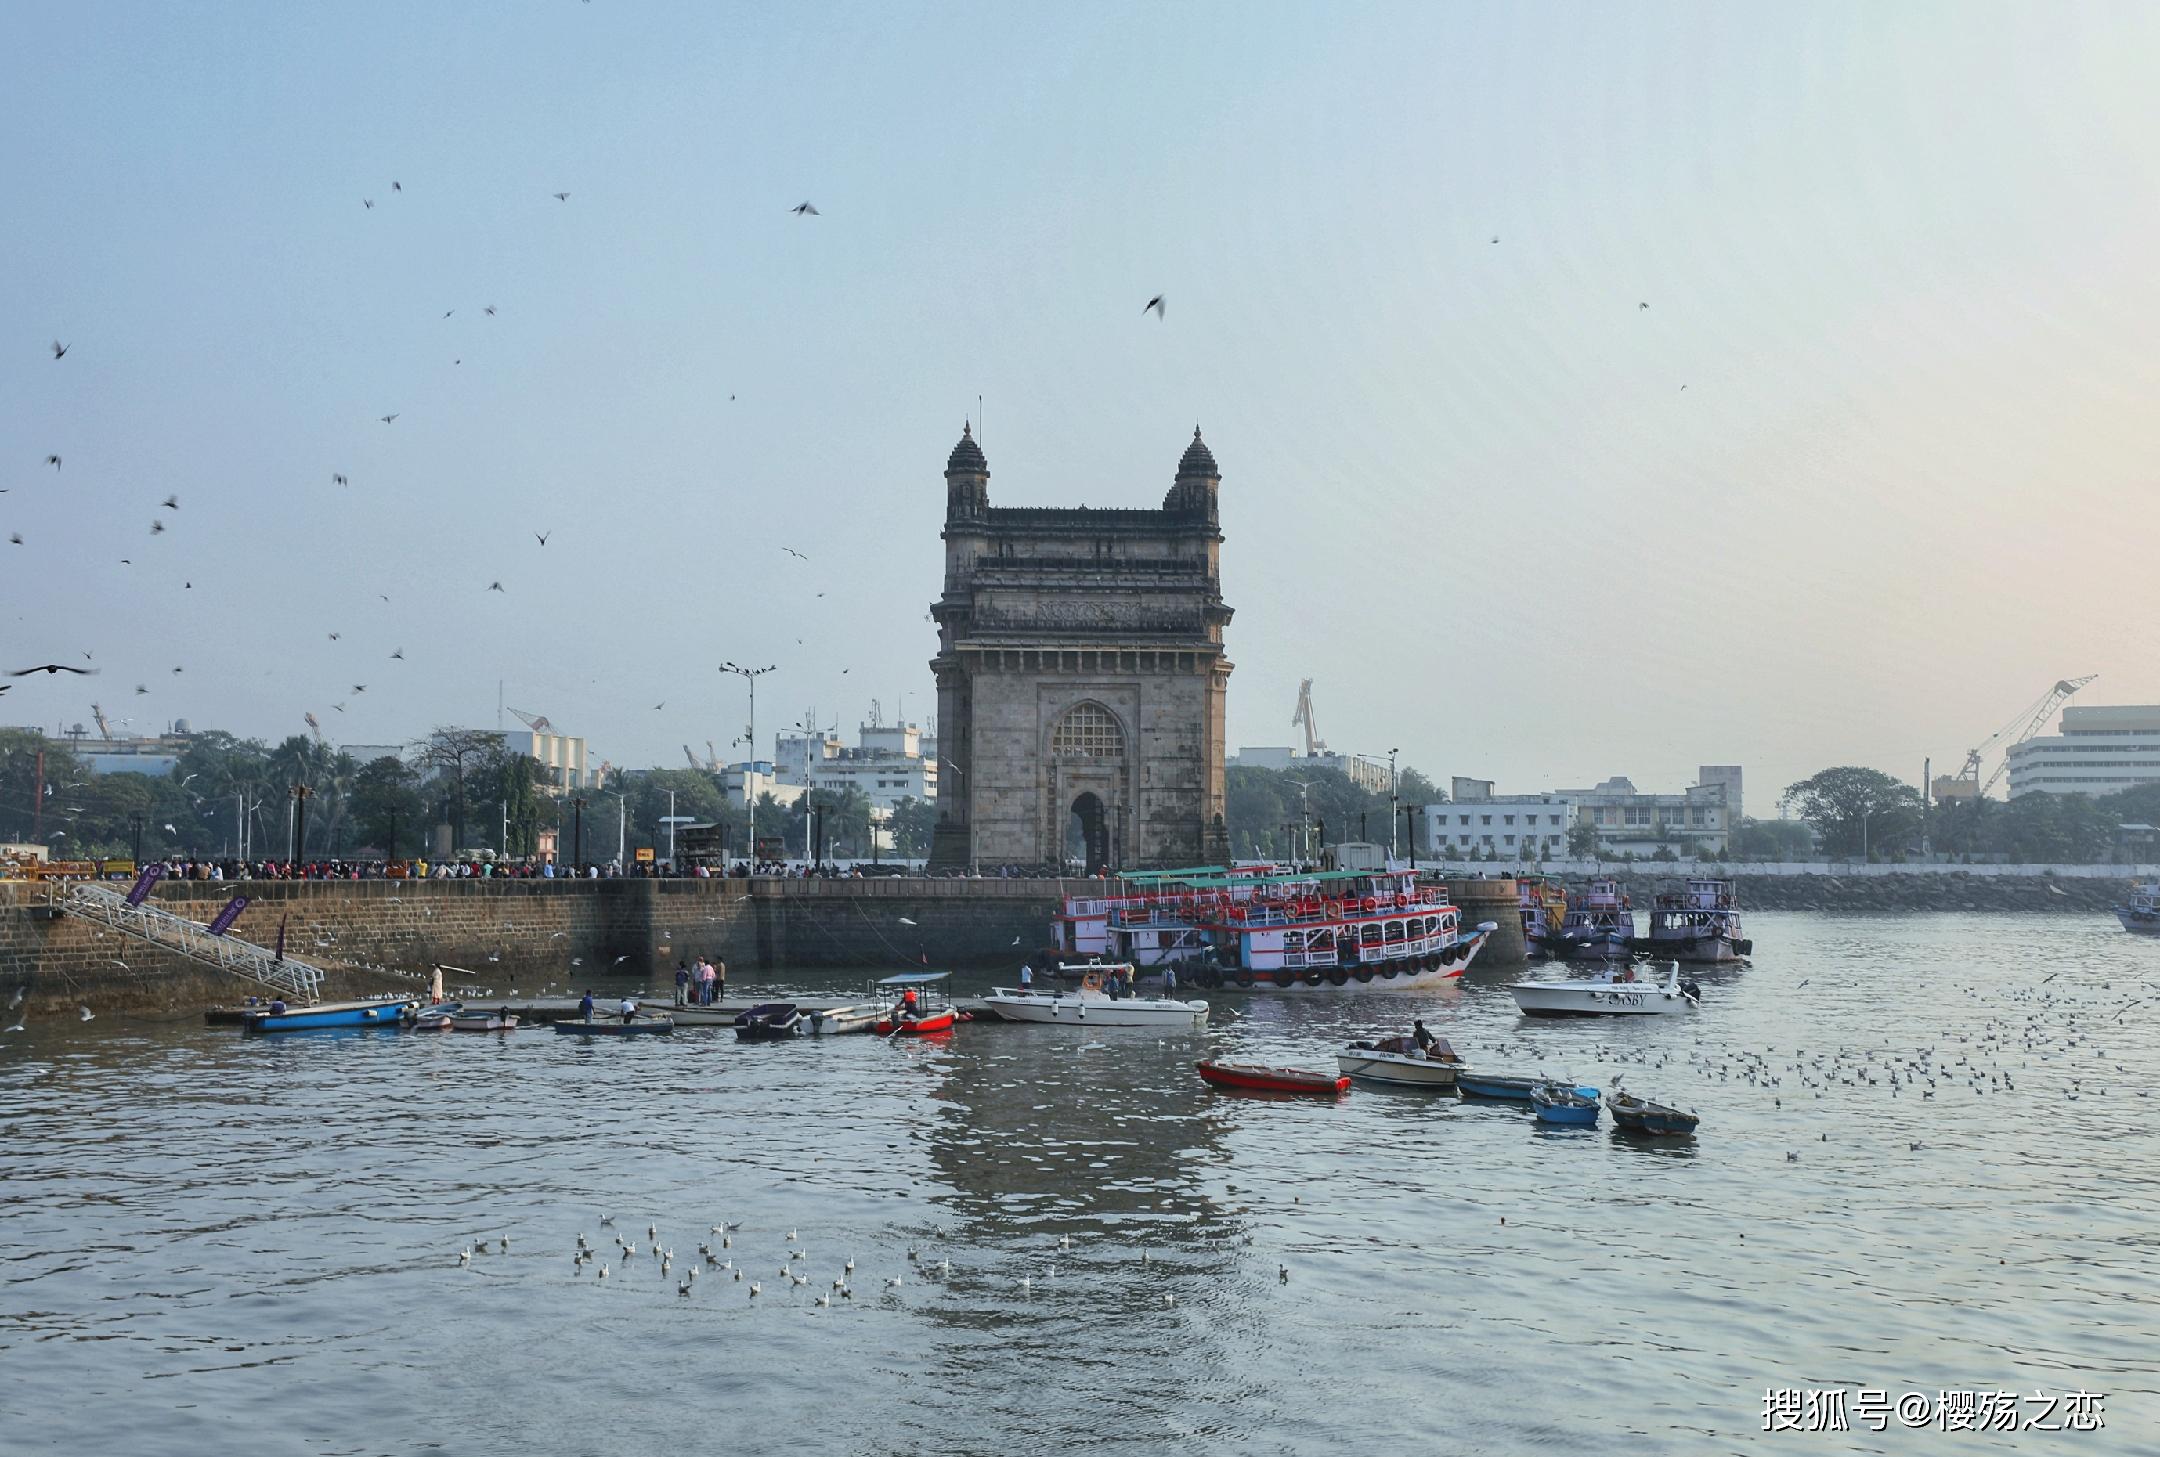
(968, 457)
(967, 478)
(1198, 460)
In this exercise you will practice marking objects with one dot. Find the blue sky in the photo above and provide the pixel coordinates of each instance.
(1898, 256)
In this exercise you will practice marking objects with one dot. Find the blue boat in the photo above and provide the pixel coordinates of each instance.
(1561, 1104)
(279, 1018)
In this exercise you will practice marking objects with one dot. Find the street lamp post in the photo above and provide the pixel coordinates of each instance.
(671, 820)
(135, 823)
(577, 836)
(301, 794)
(1304, 789)
(750, 676)
(1394, 795)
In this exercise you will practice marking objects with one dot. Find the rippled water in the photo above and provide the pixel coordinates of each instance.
(217, 1244)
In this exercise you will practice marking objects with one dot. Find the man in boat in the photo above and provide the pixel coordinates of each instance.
(629, 1008)
(585, 1006)
(1420, 1034)
(1027, 976)
(905, 1012)
(277, 1006)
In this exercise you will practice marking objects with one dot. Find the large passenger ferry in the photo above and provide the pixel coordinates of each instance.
(1254, 929)
(1700, 923)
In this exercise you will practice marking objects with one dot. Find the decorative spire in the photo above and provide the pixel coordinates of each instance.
(1198, 459)
(967, 456)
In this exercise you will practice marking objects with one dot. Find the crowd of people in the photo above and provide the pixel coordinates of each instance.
(700, 983)
(485, 868)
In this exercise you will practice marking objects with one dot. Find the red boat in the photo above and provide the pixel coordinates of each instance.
(1255, 1077)
(919, 1007)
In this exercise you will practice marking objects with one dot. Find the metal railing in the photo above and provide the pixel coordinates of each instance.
(108, 906)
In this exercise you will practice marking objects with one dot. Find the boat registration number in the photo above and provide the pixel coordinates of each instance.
(1620, 999)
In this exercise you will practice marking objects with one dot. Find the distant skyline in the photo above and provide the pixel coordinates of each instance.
(1873, 468)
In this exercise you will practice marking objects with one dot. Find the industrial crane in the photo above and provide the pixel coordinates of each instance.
(537, 722)
(2028, 721)
(1303, 718)
(104, 729)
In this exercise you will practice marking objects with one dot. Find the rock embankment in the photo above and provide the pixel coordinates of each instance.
(1951, 890)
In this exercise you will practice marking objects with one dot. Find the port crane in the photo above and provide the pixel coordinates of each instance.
(2028, 721)
(1303, 718)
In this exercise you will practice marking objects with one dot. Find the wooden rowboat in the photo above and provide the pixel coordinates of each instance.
(1253, 1077)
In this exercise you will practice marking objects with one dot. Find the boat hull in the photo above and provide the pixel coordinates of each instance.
(1064, 1011)
(1253, 1078)
(1566, 1115)
(1698, 950)
(1396, 1069)
(836, 1021)
(693, 1016)
(1598, 999)
(1653, 1118)
(330, 1014)
(645, 1027)
(483, 1024)
(929, 1026)
(1500, 1086)
(2138, 923)
(1395, 976)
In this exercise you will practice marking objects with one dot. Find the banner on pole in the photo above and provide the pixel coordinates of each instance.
(150, 876)
(230, 914)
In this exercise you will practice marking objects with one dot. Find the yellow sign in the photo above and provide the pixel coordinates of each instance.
(644, 855)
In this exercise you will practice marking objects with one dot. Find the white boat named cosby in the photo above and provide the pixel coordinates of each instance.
(1619, 991)
(1089, 1005)
(1401, 1062)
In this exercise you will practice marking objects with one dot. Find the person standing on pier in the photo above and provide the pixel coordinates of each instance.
(682, 984)
(720, 978)
(708, 982)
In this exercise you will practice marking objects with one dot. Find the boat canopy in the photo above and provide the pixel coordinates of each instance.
(914, 979)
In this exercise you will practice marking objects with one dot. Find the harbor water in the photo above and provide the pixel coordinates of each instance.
(1927, 1164)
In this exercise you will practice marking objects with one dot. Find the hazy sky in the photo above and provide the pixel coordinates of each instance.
(1900, 257)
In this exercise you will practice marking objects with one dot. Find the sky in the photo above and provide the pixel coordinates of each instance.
(1874, 467)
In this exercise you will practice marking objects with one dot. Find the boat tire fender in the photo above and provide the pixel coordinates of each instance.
(1338, 976)
(1363, 974)
(1285, 978)
(1244, 978)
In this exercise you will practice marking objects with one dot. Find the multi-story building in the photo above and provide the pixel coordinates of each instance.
(153, 754)
(1506, 826)
(562, 755)
(1699, 819)
(2098, 751)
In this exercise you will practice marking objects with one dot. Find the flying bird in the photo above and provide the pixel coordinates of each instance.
(562, 197)
(359, 687)
(179, 670)
(389, 417)
(59, 350)
(53, 461)
(15, 538)
(1155, 303)
(171, 503)
(335, 636)
(51, 668)
(395, 188)
(660, 705)
(337, 478)
(310, 718)
(399, 654)
(1496, 237)
(368, 202)
(489, 311)
(1642, 306)
(446, 313)
(804, 209)
(791, 551)
(139, 689)
(496, 587)
(542, 536)
(339, 707)
(157, 527)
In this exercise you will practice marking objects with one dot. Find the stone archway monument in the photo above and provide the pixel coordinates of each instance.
(1080, 673)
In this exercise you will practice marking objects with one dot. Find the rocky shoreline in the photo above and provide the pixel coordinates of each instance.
(1944, 891)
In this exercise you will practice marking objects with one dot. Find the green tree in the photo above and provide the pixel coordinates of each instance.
(914, 822)
(387, 806)
(451, 753)
(1854, 810)
(1582, 840)
(1772, 840)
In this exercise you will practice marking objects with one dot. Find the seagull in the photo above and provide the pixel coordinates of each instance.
(50, 668)
(489, 311)
(53, 461)
(87, 1014)
(660, 705)
(905, 921)
(15, 538)
(804, 209)
(1642, 306)
(791, 551)
(496, 587)
(1155, 303)
(395, 188)
(1496, 237)
(562, 197)
(542, 536)
(139, 689)
(59, 350)
(400, 653)
(389, 417)
(172, 503)
(359, 687)
(367, 202)
(338, 479)
(335, 636)
(157, 527)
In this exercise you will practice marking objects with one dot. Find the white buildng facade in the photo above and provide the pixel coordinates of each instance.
(2098, 751)
(1507, 826)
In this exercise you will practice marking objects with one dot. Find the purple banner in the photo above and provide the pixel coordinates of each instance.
(230, 914)
(150, 876)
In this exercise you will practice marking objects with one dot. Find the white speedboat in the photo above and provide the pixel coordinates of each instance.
(1618, 991)
(1400, 1061)
(832, 1021)
(1089, 1005)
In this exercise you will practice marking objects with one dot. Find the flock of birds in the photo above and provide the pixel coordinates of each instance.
(717, 1260)
(62, 350)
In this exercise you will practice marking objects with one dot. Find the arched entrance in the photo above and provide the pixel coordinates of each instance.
(1089, 833)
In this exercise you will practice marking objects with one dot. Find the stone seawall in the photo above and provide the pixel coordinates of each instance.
(388, 935)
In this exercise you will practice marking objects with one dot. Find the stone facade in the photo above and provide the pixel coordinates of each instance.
(1081, 676)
